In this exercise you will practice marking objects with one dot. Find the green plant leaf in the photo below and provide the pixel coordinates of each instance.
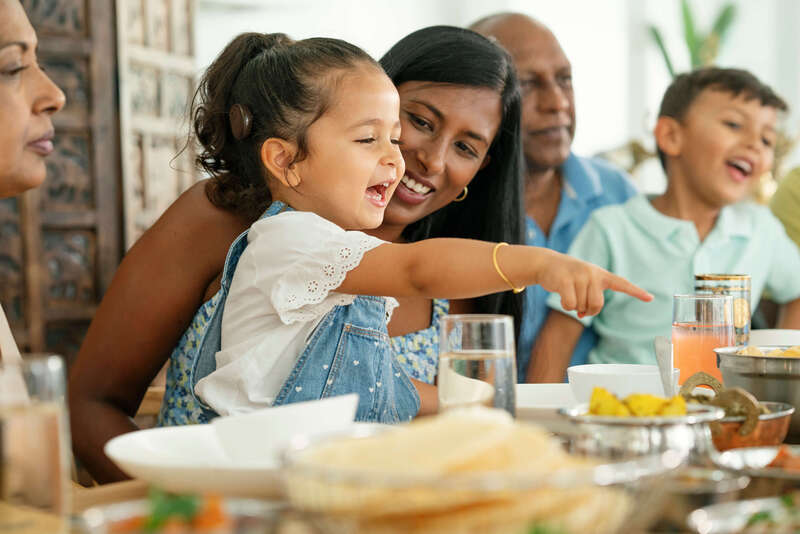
(656, 35)
(690, 34)
(164, 506)
(709, 47)
(539, 528)
(723, 22)
(759, 517)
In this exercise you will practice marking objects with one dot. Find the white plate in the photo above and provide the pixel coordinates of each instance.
(539, 403)
(544, 396)
(191, 459)
(235, 455)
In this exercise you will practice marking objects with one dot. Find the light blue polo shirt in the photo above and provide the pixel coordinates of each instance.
(588, 184)
(662, 254)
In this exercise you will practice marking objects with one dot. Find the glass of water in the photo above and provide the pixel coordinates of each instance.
(477, 364)
(34, 446)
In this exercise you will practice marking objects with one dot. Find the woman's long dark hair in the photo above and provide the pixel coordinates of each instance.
(493, 209)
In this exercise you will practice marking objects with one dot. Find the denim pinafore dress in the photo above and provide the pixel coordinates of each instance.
(348, 352)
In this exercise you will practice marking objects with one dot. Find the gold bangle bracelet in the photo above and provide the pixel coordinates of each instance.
(502, 275)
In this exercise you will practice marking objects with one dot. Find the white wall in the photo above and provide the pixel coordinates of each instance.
(601, 91)
(619, 75)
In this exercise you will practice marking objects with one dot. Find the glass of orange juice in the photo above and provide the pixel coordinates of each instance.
(700, 324)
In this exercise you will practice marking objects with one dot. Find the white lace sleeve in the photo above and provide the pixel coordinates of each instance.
(315, 256)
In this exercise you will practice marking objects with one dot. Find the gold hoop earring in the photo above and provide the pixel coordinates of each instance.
(462, 196)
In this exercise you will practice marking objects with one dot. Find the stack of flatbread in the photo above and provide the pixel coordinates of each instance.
(467, 471)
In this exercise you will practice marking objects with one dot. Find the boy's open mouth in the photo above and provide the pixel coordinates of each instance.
(740, 168)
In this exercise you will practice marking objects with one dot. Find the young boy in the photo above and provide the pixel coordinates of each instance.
(715, 135)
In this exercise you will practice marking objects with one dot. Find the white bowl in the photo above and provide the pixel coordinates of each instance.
(539, 403)
(545, 396)
(259, 436)
(774, 336)
(620, 379)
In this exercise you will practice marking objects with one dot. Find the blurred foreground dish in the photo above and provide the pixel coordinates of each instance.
(472, 470)
(167, 513)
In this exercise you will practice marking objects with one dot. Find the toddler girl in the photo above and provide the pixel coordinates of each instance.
(306, 293)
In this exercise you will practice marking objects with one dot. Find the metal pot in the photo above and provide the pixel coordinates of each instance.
(771, 428)
(771, 378)
(688, 436)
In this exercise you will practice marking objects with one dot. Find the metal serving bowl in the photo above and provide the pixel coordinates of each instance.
(690, 488)
(622, 437)
(753, 462)
(771, 428)
(772, 378)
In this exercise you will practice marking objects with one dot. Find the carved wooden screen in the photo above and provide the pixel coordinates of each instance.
(60, 244)
(156, 82)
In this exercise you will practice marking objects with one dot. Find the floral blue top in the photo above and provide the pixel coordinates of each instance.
(418, 352)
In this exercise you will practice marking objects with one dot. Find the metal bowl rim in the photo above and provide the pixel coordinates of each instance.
(701, 414)
(755, 472)
(782, 409)
(732, 351)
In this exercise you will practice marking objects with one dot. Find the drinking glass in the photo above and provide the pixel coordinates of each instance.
(700, 324)
(737, 286)
(477, 364)
(34, 447)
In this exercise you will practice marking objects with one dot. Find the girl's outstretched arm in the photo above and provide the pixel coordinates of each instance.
(463, 268)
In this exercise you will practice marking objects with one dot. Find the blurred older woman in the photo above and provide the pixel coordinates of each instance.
(28, 99)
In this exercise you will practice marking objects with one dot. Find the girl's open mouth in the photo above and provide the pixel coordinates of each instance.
(377, 194)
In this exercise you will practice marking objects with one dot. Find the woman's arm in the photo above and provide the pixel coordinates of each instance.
(463, 268)
(156, 291)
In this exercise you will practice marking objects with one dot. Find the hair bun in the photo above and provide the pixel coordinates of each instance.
(241, 121)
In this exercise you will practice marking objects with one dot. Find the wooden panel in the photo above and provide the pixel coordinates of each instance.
(106, 165)
(69, 280)
(71, 74)
(156, 84)
(30, 227)
(69, 186)
(145, 90)
(65, 337)
(58, 17)
(11, 263)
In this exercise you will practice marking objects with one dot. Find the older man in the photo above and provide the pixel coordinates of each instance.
(561, 189)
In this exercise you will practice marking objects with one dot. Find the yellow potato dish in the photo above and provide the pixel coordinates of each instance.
(606, 403)
(791, 352)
